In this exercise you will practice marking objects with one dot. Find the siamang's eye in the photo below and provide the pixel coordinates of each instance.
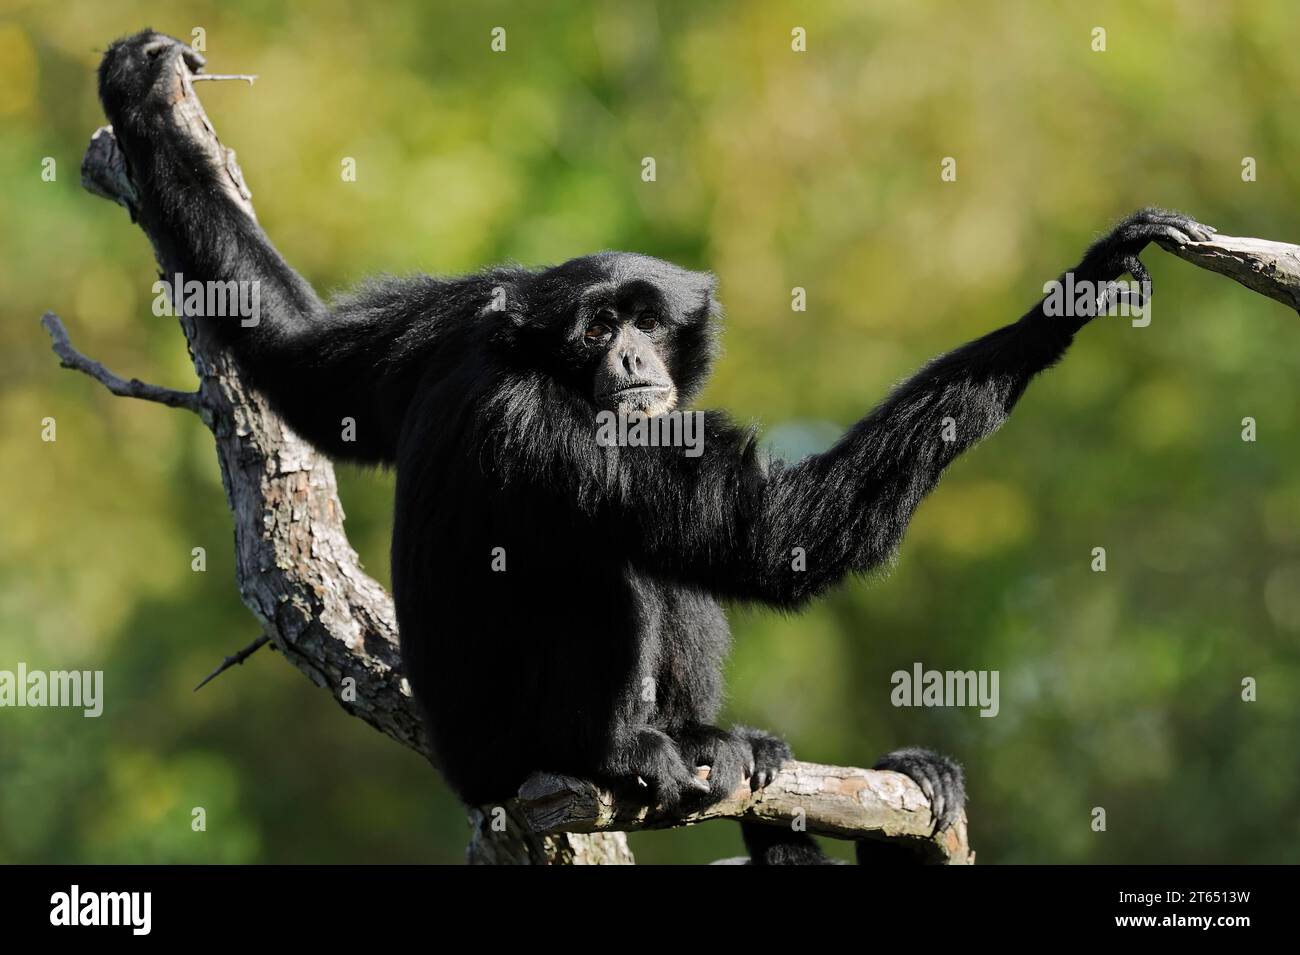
(596, 331)
(647, 324)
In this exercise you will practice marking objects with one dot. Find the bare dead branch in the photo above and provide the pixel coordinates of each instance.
(296, 570)
(69, 357)
(837, 801)
(1269, 268)
(247, 77)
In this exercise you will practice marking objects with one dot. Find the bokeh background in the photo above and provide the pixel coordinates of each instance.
(775, 169)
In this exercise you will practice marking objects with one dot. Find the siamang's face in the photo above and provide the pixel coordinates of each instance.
(640, 332)
(625, 330)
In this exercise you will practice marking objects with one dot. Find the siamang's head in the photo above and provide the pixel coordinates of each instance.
(631, 332)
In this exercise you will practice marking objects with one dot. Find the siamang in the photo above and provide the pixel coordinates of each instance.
(558, 599)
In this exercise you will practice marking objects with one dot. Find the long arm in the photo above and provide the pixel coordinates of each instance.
(342, 376)
(846, 509)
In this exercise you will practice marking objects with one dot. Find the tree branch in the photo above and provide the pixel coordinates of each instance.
(235, 659)
(836, 801)
(135, 388)
(296, 570)
(1269, 268)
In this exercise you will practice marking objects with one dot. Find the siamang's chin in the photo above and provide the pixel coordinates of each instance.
(648, 400)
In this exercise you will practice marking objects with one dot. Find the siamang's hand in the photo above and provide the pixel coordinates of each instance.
(1110, 257)
(139, 74)
(940, 778)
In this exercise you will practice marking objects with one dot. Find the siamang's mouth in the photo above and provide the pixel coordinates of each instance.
(643, 397)
(635, 391)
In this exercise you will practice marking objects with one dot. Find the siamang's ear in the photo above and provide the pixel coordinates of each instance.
(710, 286)
(504, 302)
(707, 290)
(697, 346)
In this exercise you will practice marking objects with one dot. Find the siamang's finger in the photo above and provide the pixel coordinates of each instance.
(1196, 231)
(1170, 233)
(1134, 267)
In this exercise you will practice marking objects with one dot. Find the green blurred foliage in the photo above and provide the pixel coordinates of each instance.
(775, 169)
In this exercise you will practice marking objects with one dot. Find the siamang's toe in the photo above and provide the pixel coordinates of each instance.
(1160, 225)
(940, 778)
(663, 776)
(767, 753)
(726, 755)
(1196, 231)
(672, 788)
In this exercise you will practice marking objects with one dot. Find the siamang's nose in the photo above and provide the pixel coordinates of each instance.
(631, 362)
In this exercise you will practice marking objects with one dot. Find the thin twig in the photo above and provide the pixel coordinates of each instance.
(237, 658)
(135, 388)
(224, 76)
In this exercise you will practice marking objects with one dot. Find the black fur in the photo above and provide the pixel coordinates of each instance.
(599, 651)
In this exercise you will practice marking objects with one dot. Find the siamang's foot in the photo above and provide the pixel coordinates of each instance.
(727, 755)
(733, 757)
(940, 778)
(768, 753)
(1110, 257)
(654, 762)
